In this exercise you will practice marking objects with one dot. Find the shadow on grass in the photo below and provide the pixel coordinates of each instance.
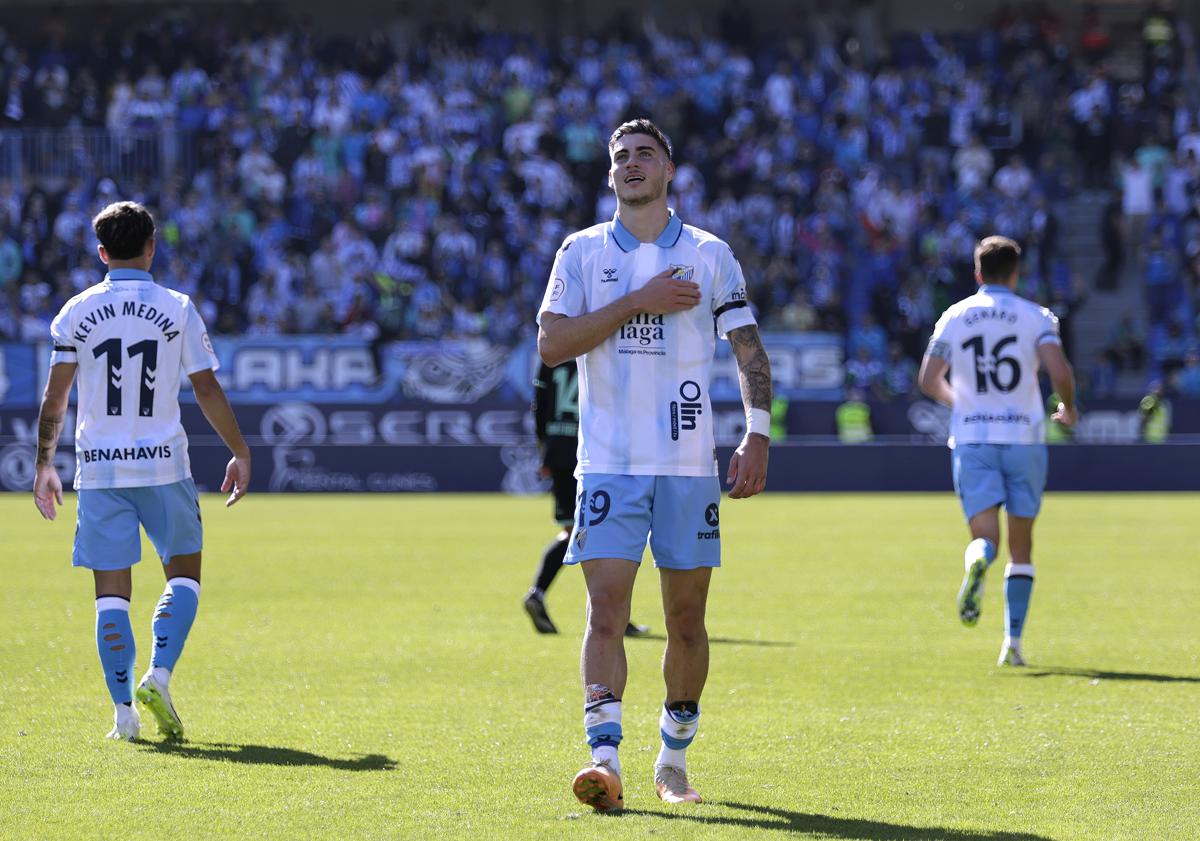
(1100, 674)
(827, 826)
(267, 755)
(723, 641)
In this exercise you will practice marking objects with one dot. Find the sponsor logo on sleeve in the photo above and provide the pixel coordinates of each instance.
(557, 290)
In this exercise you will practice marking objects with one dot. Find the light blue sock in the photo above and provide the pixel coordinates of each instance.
(1018, 590)
(980, 547)
(115, 644)
(173, 619)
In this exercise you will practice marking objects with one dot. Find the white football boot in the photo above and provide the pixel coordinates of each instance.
(1010, 653)
(127, 726)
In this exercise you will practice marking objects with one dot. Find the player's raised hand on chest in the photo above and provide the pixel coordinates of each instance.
(664, 294)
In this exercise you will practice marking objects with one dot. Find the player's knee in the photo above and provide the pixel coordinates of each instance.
(605, 627)
(607, 615)
(685, 625)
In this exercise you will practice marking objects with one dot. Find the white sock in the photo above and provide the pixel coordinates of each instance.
(607, 754)
(980, 547)
(674, 758)
(161, 676)
(681, 732)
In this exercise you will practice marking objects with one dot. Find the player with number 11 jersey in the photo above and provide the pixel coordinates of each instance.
(131, 341)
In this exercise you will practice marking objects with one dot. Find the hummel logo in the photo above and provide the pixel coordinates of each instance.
(610, 276)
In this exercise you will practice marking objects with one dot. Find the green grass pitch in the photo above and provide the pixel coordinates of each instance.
(361, 668)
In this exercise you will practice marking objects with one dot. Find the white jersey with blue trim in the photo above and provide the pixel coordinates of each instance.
(133, 341)
(644, 404)
(990, 341)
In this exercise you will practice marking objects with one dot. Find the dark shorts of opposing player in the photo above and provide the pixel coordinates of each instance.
(562, 485)
(1012, 475)
(614, 515)
(107, 536)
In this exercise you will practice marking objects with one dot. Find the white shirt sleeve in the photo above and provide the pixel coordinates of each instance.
(730, 307)
(63, 343)
(197, 353)
(940, 341)
(565, 294)
(1048, 329)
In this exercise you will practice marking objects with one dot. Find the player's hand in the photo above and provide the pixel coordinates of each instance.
(1064, 416)
(237, 479)
(544, 472)
(664, 294)
(748, 467)
(47, 489)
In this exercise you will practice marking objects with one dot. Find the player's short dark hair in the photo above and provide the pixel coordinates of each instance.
(996, 258)
(123, 228)
(641, 126)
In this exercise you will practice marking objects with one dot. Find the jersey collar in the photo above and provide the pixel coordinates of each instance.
(129, 274)
(995, 289)
(667, 239)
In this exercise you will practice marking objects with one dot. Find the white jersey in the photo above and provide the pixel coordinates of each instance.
(644, 391)
(990, 340)
(133, 341)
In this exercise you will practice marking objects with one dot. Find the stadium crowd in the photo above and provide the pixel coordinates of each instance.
(416, 182)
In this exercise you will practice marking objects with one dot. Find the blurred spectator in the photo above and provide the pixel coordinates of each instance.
(1187, 380)
(1126, 346)
(1161, 271)
(1137, 200)
(420, 186)
(1101, 377)
(899, 373)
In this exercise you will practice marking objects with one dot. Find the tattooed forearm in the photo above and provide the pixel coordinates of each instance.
(754, 368)
(49, 428)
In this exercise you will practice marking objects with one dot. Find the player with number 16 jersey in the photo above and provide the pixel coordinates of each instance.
(992, 344)
(990, 341)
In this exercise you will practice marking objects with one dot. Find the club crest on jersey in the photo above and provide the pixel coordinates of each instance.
(581, 538)
(682, 272)
(610, 276)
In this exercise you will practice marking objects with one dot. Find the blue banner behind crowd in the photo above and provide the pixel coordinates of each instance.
(341, 369)
(455, 416)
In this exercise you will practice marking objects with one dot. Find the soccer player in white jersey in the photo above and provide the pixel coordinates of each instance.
(993, 344)
(131, 340)
(641, 301)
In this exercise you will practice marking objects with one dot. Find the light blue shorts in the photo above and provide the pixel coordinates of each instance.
(106, 525)
(1012, 475)
(615, 513)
